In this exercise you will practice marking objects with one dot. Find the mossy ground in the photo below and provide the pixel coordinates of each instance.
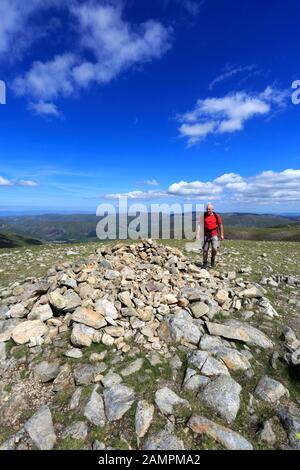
(5, 434)
(69, 443)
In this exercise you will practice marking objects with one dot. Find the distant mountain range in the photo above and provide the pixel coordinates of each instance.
(82, 227)
(240, 219)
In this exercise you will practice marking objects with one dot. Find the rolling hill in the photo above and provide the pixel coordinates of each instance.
(11, 240)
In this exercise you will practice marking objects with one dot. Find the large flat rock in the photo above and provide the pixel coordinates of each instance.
(166, 400)
(229, 439)
(236, 330)
(94, 409)
(163, 440)
(270, 390)
(28, 329)
(222, 394)
(88, 317)
(40, 429)
(117, 400)
(180, 328)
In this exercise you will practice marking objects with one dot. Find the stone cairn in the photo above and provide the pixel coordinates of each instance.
(138, 298)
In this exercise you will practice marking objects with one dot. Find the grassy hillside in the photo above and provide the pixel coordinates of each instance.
(11, 240)
(257, 220)
(53, 227)
(278, 233)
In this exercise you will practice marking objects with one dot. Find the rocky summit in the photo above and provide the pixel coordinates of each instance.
(137, 347)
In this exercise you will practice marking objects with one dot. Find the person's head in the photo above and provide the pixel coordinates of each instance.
(209, 208)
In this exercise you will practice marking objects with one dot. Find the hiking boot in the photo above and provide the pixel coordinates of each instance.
(213, 262)
(204, 265)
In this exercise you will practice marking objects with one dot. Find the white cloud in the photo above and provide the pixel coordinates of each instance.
(28, 183)
(113, 44)
(229, 113)
(117, 44)
(197, 189)
(195, 132)
(48, 80)
(237, 186)
(137, 195)
(231, 73)
(193, 7)
(228, 178)
(152, 182)
(270, 186)
(266, 188)
(276, 96)
(15, 15)
(5, 182)
(46, 109)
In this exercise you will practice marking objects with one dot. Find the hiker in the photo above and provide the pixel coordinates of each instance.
(213, 229)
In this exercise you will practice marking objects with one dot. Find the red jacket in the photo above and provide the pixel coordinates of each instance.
(211, 224)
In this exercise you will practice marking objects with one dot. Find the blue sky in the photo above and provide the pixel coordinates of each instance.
(161, 100)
